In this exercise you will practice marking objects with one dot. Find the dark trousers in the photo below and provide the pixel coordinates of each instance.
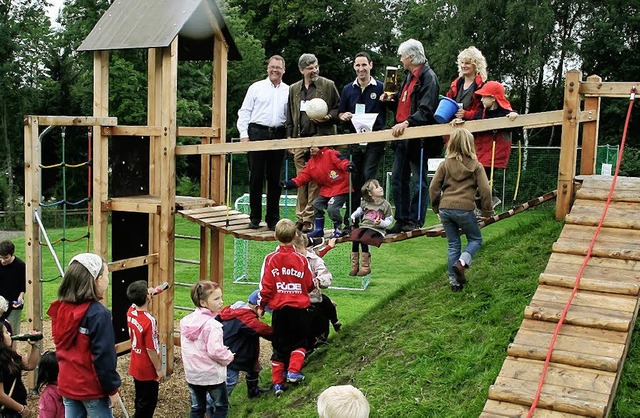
(146, 398)
(265, 165)
(290, 331)
(410, 159)
(366, 165)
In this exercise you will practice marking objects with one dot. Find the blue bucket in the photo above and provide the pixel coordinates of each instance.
(446, 110)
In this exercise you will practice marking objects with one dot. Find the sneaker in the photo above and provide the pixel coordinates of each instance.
(254, 224)
(256, 392)
(294, 377)
(336, 233)
(408, 227)
(456, 287)
(337, 326)
(459, 269)
(306, 227)
(315, 242)
(278, 389)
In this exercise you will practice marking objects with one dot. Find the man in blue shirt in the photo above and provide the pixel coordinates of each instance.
(363, 96)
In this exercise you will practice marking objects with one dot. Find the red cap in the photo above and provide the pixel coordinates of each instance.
(495, 89)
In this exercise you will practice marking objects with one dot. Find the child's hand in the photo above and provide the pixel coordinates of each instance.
(456, 121)
(260, 311)
(512, 115)
(161, 375)
(332, 242)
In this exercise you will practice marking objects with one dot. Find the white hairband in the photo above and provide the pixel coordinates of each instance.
(92, 262)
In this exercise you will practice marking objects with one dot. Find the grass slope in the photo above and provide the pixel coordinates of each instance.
(424, 351)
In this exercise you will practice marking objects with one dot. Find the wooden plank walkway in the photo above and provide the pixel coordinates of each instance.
(588, 357)
(236, 223)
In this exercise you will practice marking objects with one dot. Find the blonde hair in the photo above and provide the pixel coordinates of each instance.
(460, 145)
(343, 401)
(366, 189)
(300, 242)
(285, 231)
(475, 57)
(4, 306)
(201, 291)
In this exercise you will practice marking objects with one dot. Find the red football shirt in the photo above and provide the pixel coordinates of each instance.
(143, 332)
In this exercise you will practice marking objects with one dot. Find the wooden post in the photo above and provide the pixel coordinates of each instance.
(32, 193)
(100, 154)
(154, 116)
(590, 131)
(167, 165)
(569, 143)
(218, 120)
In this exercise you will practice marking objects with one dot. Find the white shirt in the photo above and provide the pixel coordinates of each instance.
(264, 104)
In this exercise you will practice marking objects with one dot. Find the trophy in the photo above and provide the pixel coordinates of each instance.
(391, 80)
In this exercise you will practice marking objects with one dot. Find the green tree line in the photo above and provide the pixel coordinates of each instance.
(529, 45)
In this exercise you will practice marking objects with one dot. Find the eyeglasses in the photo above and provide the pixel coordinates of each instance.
(273, 67)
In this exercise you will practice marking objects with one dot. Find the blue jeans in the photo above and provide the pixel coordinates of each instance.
(218, 394)
(95, 408)
(452, 220)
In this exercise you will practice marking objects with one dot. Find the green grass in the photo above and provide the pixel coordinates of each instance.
(415, 348)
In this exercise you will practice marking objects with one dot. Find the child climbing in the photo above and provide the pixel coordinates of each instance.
(375, 215)
(452, 191)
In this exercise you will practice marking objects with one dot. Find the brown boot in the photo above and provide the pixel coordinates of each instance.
(355, 263)
(365, 267)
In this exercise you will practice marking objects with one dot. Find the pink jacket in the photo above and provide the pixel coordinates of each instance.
(50, 403)
(204, 355)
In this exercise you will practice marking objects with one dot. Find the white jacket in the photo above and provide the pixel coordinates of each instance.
(322, 277)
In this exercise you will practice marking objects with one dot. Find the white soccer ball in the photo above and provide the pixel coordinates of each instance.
(317, 108)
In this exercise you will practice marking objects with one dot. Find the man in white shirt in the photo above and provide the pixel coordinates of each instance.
(262, 117)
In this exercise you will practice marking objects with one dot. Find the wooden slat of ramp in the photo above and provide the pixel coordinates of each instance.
(591, 346)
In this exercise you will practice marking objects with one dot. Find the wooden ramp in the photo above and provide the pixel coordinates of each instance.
(233, 222)
(586, 363)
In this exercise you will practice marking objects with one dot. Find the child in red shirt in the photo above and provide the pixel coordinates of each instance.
(285, 283)
(330, 171)
(145, 366)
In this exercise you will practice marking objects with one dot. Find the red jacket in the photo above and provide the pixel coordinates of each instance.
(475, 105)
(85, 348)
(286, 280)
(328, 171)
(484, 141)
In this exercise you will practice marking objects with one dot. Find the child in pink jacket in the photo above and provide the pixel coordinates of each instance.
(50, 402)
(204, 356)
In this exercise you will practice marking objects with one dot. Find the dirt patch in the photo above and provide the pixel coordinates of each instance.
(174, 395)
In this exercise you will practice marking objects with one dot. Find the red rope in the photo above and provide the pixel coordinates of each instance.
(584, 263)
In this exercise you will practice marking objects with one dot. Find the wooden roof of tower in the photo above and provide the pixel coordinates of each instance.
(155, 23)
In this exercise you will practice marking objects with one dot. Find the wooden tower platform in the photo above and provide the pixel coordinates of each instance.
(588, 357)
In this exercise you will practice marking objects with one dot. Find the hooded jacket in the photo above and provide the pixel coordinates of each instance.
(328, 169)
(242, 331)
(204, 354)
(455, 184)
(85, 341)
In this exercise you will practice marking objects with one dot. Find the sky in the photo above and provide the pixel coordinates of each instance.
(53, 11)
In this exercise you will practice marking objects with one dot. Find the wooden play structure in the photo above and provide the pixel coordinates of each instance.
(587, 365)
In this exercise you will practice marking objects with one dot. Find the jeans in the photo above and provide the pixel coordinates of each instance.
(333, 205)
(452, 220)
(96, 408)
(14, 318)
(218, 394)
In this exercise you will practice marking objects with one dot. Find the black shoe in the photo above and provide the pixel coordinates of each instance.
(256, 392)
(456, 287)
(337, 326)
(315, 242)
(271, 227)
(409, 226)
(396, 228)
(254, 224)
(459, 269)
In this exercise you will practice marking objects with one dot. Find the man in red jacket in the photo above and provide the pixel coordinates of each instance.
(285, 283)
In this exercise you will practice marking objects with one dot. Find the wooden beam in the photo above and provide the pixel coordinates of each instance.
(133, 262)
(78, 120)
(200, 132)
(608, 89)
(133, 204)
(569, 144)
(132, 130)
(590, 132)
(530, 121)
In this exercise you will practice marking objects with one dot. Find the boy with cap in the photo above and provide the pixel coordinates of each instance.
(242, 329)
(495, 105)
